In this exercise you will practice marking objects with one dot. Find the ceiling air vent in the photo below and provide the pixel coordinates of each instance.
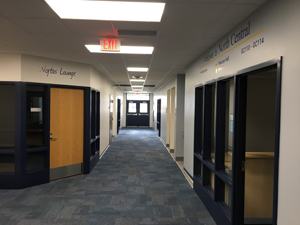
(137, 32)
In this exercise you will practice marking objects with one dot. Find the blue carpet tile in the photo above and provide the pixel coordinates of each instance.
(135, 182)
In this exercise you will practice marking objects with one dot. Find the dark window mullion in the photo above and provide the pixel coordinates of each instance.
(220, 126)
(239, 140)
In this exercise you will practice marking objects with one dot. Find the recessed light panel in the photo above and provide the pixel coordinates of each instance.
(137, 69)
(108, 10)
(123, 49)
(137, 80)
(136, 86)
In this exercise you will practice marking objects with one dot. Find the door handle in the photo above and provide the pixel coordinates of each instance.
(243, 165)
(52, 138)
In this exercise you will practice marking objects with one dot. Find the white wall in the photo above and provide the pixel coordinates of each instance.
(10, 67)
(278, 23)
(179, 123)
(100, 83)
(44, 70)
(162, 94)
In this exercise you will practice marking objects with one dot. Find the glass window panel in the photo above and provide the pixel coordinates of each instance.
(260, 146)
(35, 161)
(7, 116)
(227, 195)
(199, 169)
(97, 145)
(7, 163)
(143, 107)
(93, 148)
(209, 178)
(132, 107)
(35, 117)
(229, 126)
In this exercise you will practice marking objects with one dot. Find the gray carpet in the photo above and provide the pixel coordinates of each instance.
(135, 182)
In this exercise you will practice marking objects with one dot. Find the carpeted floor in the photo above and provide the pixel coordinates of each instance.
(135, 182)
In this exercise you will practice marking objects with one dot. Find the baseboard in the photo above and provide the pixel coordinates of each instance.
(178, 158)
(164, 143)
(100, 156)
(188, 173)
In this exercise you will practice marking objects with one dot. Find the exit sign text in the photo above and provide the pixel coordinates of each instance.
(108, 44)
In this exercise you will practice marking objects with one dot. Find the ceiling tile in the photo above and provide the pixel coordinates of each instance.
(88, 39)
(52, 26)
(7, 26)
(109, 58)
(120, 25)
(188, 19)
(186, 60)
(6, 46)
(99, 28)
(137, 63)
(188, 28)
(174, 45)
(136, 57)
(54, 38)
(46, 54)
(138, 41)
(26, 9)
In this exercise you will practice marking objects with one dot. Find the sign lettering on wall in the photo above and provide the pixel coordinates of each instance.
(61, 71)
(219, 54)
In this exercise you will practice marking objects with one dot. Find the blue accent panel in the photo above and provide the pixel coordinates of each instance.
(188, 173)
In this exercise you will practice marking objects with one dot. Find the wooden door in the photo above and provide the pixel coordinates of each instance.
(66, 132)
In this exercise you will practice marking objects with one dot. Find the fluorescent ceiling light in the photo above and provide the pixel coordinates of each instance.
(137, 80)
(136, 86)
(137, 69)
(123, 49)
(108, 10)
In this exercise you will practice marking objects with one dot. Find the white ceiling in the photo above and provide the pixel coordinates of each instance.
(187, 29)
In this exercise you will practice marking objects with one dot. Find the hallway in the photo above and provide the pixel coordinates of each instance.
(135, 182)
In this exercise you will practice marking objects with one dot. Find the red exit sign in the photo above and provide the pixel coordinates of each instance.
(108, 44)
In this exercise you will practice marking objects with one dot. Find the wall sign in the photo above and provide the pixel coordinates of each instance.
(108, 44)
(238, 38)
(60, 71)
